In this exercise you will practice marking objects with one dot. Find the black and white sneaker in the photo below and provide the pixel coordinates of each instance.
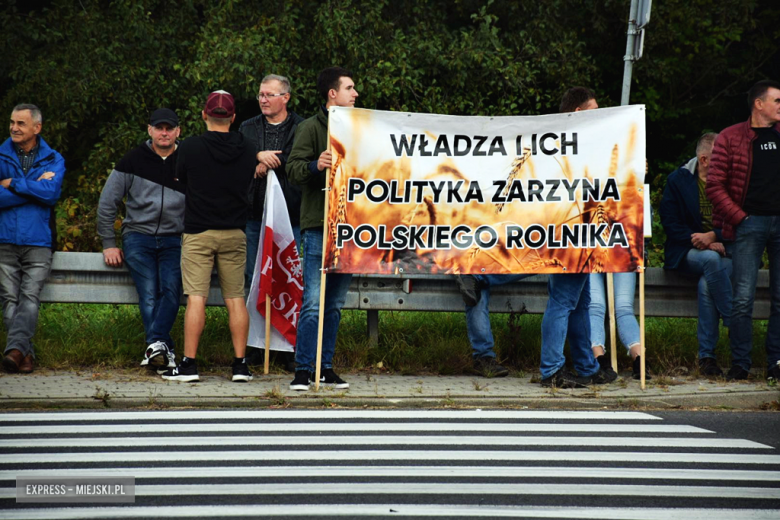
(329, 377)
(186, 372)
(302, 381)
(241, 373)
(156, 355)
(171, 363)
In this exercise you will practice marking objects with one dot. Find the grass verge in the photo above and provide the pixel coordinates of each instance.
(74, 336)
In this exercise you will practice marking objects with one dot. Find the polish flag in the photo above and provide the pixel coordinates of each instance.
(277, 274)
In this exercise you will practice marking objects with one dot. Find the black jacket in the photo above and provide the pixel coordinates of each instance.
(252, 129)
(681, 214)
(216, 168)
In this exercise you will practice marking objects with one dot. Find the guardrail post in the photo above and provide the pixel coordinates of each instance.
(373, 327)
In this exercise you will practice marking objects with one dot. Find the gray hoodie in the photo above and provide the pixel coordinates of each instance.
(152, 209)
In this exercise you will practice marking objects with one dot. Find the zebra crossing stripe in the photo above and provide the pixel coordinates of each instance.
(326, 414)
(383, 440)
(378, 455)
(350, 427)
(200, 472)
(436, 488)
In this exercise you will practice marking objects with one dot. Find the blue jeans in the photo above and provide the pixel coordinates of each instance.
(154, 263)
(627, 326)
(478, 317)
(336, 289)
(714, 295)
(254, 229)
(567, 315)
(753, 235)
(23, 272)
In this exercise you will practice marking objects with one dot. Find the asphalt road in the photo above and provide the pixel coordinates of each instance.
(403, 464)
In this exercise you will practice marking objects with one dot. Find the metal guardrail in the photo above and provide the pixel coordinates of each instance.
(84, 278)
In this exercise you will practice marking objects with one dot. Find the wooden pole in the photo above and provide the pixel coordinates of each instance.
(643, 360)
(267, 364)
(321, 316)
(612, 330)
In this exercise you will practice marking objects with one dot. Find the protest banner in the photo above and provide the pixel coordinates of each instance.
(423, 193)
(277, 283)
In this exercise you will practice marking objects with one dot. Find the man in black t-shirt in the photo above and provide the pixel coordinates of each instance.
(744, 187)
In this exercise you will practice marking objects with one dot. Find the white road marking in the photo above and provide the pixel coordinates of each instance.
(188, 457)
(209, 472)
(461, 488)
(349, 427)
(383, 440)
(325, 414)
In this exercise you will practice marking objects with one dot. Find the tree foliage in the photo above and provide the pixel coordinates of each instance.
(97, 68)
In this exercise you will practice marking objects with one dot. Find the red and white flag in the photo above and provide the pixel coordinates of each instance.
(277, 274)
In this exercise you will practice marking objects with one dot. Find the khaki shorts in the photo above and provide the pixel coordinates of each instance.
(198, 253)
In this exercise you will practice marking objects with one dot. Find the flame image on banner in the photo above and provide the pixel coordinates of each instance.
(421, 193)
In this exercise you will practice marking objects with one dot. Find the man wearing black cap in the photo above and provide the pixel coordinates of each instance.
(151, 232)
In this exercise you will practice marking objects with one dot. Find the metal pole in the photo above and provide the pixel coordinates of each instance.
(629, 58)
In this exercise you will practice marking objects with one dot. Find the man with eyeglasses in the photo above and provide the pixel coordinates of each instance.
(272, 133)
(151, 232)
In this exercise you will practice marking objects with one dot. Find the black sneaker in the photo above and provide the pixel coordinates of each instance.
(636, 370)
(184, 372)
(469, 288)
(602, 377)
(301, 381)
(708, 367)
(606, 365)
(773, 373)
(241, 373)
(487, 366)
(329, 377)
(737, 373)
(565, 379)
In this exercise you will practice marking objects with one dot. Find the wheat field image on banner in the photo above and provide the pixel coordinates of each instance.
(423, 193)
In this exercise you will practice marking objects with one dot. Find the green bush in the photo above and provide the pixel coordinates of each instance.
(97, 68)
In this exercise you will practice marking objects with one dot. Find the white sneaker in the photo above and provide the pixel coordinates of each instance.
(171, 363)
(153, 354)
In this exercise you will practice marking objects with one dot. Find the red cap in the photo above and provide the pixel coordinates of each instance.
(220, 100)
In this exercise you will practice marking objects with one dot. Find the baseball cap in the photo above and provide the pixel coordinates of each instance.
(164, 115)
(220, 99)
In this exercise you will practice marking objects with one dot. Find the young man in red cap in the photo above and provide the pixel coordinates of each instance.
(216, 169)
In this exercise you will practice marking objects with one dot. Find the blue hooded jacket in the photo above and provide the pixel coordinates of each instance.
(26, 208)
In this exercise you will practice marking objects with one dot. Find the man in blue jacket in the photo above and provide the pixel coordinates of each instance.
(31, 176)
(693, 246)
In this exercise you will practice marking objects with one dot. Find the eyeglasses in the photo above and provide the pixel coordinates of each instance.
(270, 96)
